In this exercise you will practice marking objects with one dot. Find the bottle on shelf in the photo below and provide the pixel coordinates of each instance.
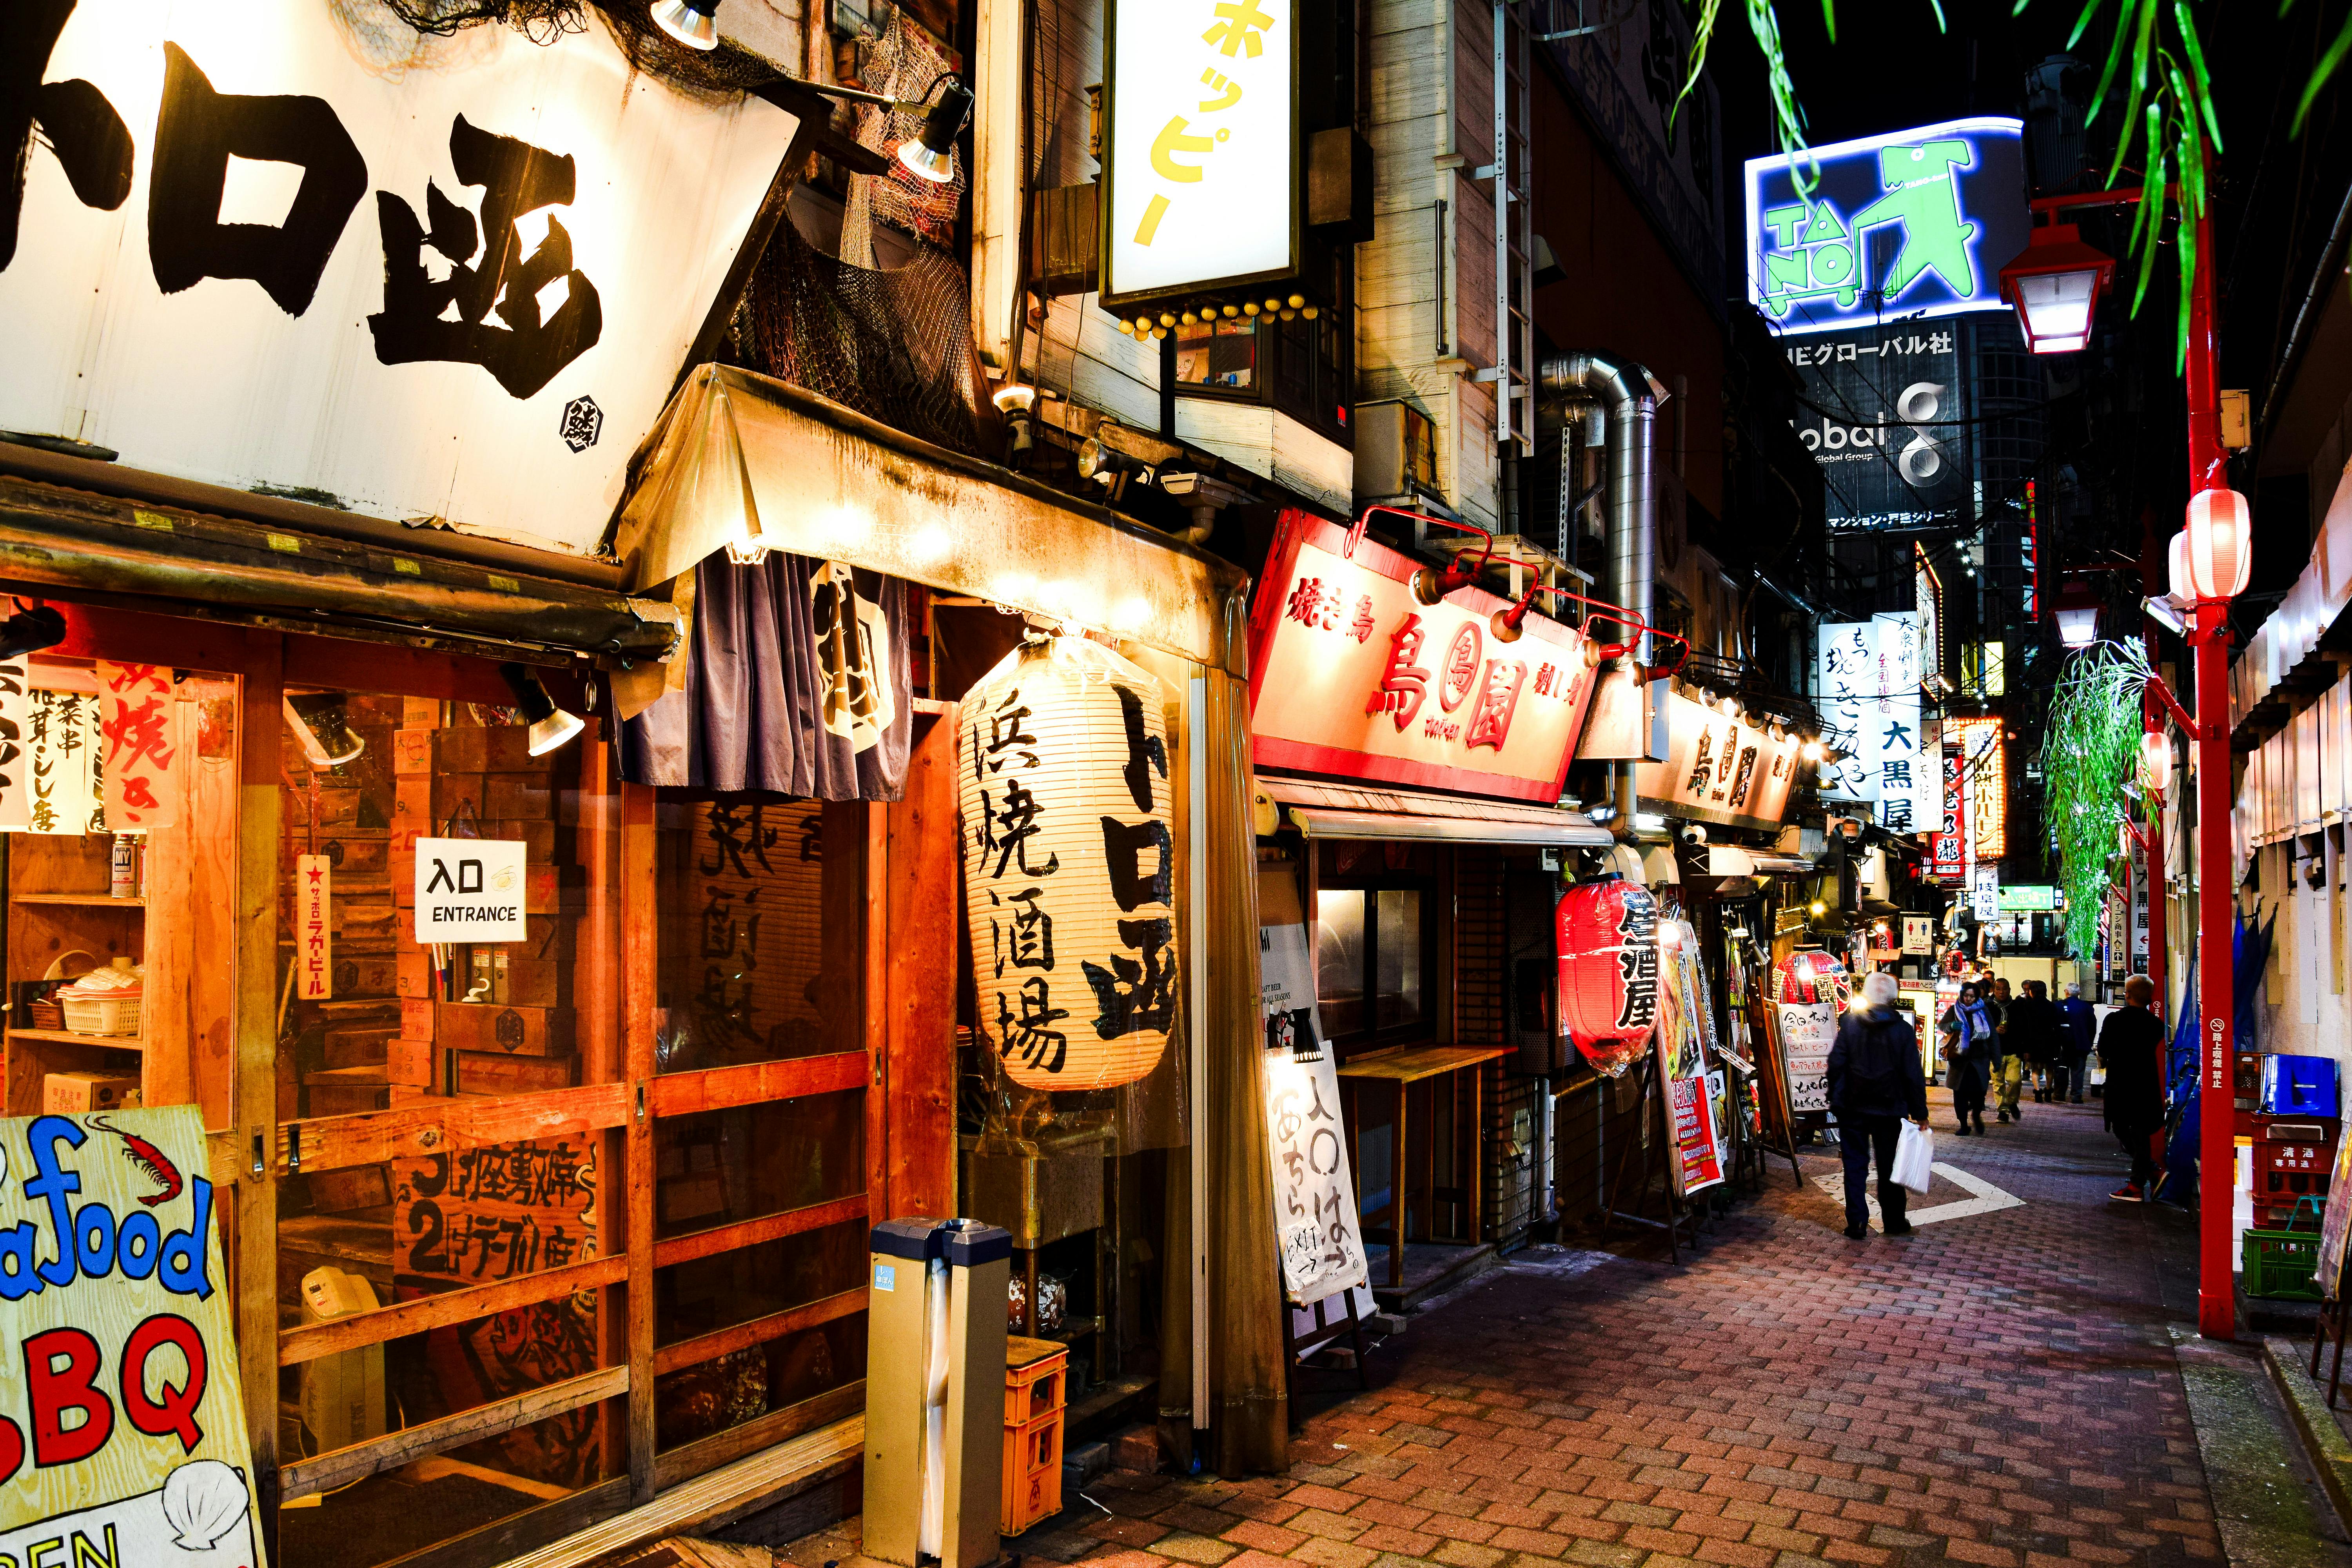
(124, 883)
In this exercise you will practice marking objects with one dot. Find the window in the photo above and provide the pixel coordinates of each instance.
(1372, 954)
(1300, 367)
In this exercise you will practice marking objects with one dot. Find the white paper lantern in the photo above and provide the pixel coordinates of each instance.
(2221, 550)
(2176, 563)
(1068, 828)
(2155, 762)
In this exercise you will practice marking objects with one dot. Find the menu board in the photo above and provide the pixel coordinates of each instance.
(1315, 1219)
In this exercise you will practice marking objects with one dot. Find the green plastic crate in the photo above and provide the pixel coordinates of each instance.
(2280, 1265)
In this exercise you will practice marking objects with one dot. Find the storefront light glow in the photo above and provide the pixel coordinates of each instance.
(693, 22)
(2055, 283)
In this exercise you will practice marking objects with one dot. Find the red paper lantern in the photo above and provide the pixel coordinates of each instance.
(1609, 970)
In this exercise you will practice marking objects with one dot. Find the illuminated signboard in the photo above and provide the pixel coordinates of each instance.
(1350, 675)
(1928, 600)
(1720, 767)
(1890, 733)
(1949, 844)
(1200, 162)
(304, 249)
(2028, 899)
(1985, 777)
(1914, 223)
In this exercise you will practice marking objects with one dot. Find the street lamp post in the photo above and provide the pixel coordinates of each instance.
(2047, 283)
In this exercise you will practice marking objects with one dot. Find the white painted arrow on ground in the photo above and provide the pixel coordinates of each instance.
(1987, 1198)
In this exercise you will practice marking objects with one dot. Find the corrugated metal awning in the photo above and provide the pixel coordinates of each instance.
(1348, 811)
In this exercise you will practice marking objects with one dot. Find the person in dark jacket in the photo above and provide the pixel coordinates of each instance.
(1876, 1082)
(1968, 1049)
(2131, 1047)
(2033, 1025)
(2078, 1028)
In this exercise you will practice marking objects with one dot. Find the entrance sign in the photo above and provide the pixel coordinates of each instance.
(1914, 223)
(124, 1440)
(1721, 768)
(1351, 674)
(448, 278)
(469, 889)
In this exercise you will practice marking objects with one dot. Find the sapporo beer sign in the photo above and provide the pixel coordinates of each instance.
(297, 245)
(124, 1443)
(1351, 674)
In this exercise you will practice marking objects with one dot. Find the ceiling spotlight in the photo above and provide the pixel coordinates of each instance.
(929, 153)
(30, 630)
(321, 728)
(1103, 464)
(694, 23)
(550, 727)
(1812, 751)
(1014, 401)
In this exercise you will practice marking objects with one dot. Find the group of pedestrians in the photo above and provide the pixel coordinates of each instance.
(1995, 1045)
(1877, 1082)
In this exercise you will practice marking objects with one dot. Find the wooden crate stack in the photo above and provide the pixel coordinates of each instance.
(504, 1024)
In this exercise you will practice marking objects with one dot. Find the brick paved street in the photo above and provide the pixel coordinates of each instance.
(1998, 1390)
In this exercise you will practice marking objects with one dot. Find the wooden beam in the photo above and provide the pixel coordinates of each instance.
(603, 1058)
(331, 661)
(753, 1232)
(758, 1332)
(313, 1340)
(754, 1083)
(640, 892)
(254, 1207)
(532, 1530)
(412, 1132)
(918, 1010)
(707, 1453)
(340, 1467)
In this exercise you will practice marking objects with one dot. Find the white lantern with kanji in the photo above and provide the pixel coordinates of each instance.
(1067, 822)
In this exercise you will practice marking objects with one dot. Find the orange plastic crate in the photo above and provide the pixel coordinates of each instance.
(1033, 1473)
(1036, 1378)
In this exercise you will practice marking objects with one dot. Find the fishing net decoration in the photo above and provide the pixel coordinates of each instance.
(906, 63)
(714, 76)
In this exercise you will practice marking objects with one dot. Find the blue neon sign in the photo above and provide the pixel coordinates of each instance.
(1916, 222)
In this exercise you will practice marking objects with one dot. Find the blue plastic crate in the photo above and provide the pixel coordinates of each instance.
(2299, 1086)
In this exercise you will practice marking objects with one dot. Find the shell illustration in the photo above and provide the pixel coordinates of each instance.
(203, 1500)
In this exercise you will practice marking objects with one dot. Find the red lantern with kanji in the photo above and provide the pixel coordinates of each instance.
(1812, 976)
(1609, 970)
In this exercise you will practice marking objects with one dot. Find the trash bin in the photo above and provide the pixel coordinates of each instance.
(934, 1391)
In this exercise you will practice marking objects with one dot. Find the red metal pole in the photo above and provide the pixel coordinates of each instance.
(2217, 1184)
(2154, 585)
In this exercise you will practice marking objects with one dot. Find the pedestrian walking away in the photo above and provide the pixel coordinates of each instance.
(1877, 1083)
(2078, 1028)
(1968, 1055)
(2008, 1065)
(2033, 1035)
(2131, 1047)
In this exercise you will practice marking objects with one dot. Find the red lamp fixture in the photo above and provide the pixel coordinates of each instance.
(2055, 283)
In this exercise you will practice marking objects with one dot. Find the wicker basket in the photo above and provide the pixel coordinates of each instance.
(47, 1011)
(107, 1015)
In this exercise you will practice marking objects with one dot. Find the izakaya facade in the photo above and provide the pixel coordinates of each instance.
(650, 639)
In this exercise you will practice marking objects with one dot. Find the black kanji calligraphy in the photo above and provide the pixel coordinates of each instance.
(1124, 844)
(1146, 752)
(1137, 993)
(80, 129)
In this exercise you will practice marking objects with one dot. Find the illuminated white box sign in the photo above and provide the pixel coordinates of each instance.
(469, 889)
(300, 247)
(1201, 161)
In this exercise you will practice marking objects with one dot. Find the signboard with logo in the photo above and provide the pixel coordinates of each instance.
(1720, 767)
(470, 890)
(124, 1441)
(1351, 674)
(1949, 844)
(1985, 777)
(1985, 891)
(1884, 418)
(2028, 897)
(306, 249)
(1919, 935)
(1915, 224)
(1200, 148)
(1890, 731)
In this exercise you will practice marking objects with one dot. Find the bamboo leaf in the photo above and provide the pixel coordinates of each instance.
(2199, 77)
(1702, 35)
(2090, 9)
(2142, 38)
(2192, 151)
(1938, 6)
(2187, 265)
(2149, 230)
(2321, 72)
(1829, 18)
(2114, 56)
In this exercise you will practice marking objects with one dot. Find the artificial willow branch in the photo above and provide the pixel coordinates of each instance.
(2093, 741)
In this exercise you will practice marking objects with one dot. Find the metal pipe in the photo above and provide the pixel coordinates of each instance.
(1630, 396)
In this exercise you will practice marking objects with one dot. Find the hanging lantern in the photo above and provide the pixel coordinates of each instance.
(1812, 976)
(1607, 934)
(2155, 762)
(2219, 555)
(1068, 831)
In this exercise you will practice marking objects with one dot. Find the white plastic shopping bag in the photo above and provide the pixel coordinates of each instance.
(1915, 1158)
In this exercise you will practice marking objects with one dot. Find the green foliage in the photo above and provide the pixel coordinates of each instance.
(2090, 755)
(2153, 53)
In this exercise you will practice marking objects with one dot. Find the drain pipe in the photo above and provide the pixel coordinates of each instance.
(1630, 397)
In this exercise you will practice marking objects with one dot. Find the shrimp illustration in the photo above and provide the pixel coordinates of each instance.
(148, 1158)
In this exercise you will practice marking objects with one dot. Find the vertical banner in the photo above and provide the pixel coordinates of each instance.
(1950, 847)
(134, 720)
(1985, 891)
(314, 957)
(1683, 1036)
(1895, 723)
(59, 752)
(16, 759)
(1314, 1220)
(125, 1439)
(1849, 691)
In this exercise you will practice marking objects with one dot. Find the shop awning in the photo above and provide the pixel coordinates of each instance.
(1781, 866)
(1346, 811)
(746, 460)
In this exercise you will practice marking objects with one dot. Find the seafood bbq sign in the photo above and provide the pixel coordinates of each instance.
(122, 1434)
